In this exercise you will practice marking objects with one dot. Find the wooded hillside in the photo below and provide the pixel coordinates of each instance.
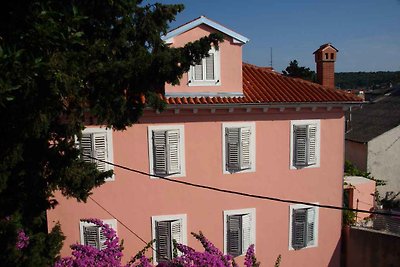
(366, 80)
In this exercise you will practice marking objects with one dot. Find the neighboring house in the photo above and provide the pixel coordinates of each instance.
(373, 140)
(359, 193)
(232, 126)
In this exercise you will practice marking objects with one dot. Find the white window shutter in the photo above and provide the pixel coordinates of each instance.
(102, 240)
(159, 152)
(86, 147)
(91, 236)
(232, 139)
(209, 67)
(176, 233)
(198, 71)
(310, 226)
(312, 144)
(163, 240)
(234, 235)
(245, 159)
(246, 232)
(173, 157)
(100, 150)
(299, 222)
(300, 147)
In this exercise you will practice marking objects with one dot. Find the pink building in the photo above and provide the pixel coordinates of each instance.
(233, 126)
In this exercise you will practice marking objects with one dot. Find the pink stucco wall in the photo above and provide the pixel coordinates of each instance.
(231, 60)
(134, 198)
(363, 191)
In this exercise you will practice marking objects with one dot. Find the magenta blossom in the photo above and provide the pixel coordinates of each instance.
(22, 240)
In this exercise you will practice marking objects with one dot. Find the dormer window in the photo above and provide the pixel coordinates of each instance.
(207, 72)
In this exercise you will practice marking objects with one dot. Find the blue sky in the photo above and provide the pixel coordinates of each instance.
(366, 32)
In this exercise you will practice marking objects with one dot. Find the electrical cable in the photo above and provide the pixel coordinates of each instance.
(123, 224)
(239, 193)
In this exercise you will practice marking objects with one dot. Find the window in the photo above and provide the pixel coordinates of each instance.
(238, 147)
(165, 229)
(207, 72)
(97, 143)
(166, 151)
(303, 227)
(92, 235)
(305, 144)
(239, 231)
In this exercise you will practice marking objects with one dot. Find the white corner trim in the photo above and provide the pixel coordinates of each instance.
(175, 217)
(212, 24)
(316, 223)
(111, 222)
(252, 125)
(181, 128)
(318, 142)
(252, 212)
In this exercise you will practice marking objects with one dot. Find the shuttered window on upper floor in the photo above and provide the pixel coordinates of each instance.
(207, 71)
(305, 148)
(96, 147)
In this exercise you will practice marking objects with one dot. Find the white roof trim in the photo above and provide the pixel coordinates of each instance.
(203, 20)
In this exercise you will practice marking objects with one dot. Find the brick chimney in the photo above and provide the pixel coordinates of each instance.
(325, 57)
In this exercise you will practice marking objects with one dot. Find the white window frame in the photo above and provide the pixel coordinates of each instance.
(294, 123)
(111, 222)
(252, 126)
(110, 153)
(252, 213)
(150, 130)
(217, 71)
(154, 219)
(316, 226)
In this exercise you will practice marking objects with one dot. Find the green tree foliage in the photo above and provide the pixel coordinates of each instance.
(64, 63)
(366, 80)
(295, 71)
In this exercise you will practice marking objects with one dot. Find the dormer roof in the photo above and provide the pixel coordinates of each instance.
(237, 38)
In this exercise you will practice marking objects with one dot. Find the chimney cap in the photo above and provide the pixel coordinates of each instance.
(324, 46)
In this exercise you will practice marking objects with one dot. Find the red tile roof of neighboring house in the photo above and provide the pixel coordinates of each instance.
(261, 85)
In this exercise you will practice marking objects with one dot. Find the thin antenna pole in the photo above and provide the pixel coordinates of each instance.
(271, 57)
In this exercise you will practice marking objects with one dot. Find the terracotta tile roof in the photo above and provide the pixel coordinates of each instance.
(261, 85)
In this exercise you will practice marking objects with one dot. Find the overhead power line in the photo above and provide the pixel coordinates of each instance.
(227, 191)
(123, 224)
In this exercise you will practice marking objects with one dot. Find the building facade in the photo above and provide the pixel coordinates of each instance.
(231, 126)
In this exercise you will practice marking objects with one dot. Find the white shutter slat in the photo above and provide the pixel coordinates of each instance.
(86, 147)
(102, 240)
(163, 240)
(310, 226)
(300, 148)
(232, 139)
(299, 221)
(312, 144)
(173, 156)
(176, 233)
(209, 67)
(246, 231)
(159, 152)
(100, 150)
(245, 159)
(234, 235)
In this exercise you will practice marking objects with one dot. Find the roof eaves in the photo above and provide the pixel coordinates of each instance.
(203, 20)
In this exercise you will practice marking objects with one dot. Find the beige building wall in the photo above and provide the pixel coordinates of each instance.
(384, 159)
